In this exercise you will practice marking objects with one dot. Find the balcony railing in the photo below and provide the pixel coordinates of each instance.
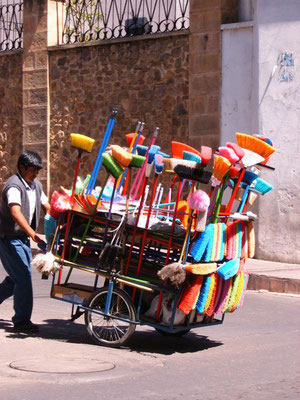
(11, 25)
(88, 20)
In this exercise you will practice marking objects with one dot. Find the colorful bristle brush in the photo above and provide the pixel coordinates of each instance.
(211, 293)
(250, 176)
(224, 307)
(137, 161)
(218, 293)
(120, 155)
(141, 150)
(228, 269)
(228, 153)
(234, 240)
(220, 168)
(187, 155)
(215, 251)
(200, 305)
(261, 186)
(130, 137)
(239, 292)
(235, 286)
(254, 144)
(212, 296)
(201, 268)
(191, 172)
(251, 239)
(81, 143)
(177, 149)
(206, 154)
(237, 149)
(190, 295)
(226, 285)
(111, 165)
(201, 242)
(246, 280)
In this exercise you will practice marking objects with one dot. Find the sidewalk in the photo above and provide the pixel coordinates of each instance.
(263, 275)
(273, 276)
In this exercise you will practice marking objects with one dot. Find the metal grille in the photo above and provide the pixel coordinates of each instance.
(11, 25)
(88, 20)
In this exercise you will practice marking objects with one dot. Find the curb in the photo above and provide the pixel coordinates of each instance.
(273, 284)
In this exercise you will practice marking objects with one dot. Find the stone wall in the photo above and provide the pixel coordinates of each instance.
(148, 79)
(10, 113)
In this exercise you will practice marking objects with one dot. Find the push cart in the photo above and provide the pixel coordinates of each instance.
(117, 301)
(174, 265)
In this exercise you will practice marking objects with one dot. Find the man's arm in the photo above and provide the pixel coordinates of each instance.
(46, 208)
(15, 211)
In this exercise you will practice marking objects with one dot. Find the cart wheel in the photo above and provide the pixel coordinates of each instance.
(108, 330)
(174, 334)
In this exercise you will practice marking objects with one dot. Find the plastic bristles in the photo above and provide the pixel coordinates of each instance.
(130, 136)
(206, 154)
(137, 161)
(178, 148)
(237, 149)
(158, 163)
(229, 153)
(82, 142)
(202, 268)
(121, 156)
(221, 166)
(262, 186)
(187, 155)
(254, 144)
(111, 165)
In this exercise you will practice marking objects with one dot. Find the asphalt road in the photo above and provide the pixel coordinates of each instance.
(255, 354)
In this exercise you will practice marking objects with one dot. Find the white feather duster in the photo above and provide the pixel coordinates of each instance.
(45, 263)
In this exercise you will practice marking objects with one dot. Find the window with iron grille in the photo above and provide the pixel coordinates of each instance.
(87, 20)
(11, 25)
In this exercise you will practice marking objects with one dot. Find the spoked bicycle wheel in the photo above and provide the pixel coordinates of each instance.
(116, 329)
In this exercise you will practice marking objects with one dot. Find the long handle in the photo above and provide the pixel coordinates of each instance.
(101, 151)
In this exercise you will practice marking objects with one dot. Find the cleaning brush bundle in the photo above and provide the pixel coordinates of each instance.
(254, 144)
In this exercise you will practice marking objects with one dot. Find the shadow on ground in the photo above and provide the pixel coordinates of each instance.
(143, 341)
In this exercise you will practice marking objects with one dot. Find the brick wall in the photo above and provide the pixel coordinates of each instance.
(10, 113)
(147, 79)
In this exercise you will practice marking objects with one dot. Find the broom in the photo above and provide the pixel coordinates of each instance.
(81, 143)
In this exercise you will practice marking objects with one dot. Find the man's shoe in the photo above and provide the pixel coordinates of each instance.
(26, 327)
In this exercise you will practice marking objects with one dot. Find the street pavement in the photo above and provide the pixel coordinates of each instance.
(254, 354)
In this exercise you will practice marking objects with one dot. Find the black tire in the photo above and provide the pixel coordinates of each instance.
(174, 334)
(107, 330)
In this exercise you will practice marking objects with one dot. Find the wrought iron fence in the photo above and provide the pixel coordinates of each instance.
(88, 20)
(11, 25)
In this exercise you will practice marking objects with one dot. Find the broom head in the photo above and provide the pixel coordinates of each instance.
(206, 154)
(178, 148)
(254, 144)
(130, 136)
(202, 268)
(221, 166)
(111, 165)
(82, 142)
(120, 155)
